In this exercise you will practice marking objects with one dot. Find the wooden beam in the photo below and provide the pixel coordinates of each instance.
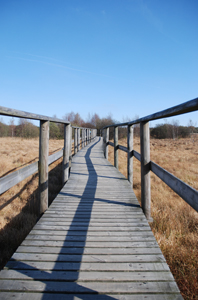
(86, 140)
(116, 147)
(120, 147)
(130, 157)
(26, 115)
(75, 140)
(106, 142)
(66, 153)
(145, 169)
(78, 139)
(185, 191)
(43, 165)
(70, 152)
(136, 155)
(84, 137)
(183, 108)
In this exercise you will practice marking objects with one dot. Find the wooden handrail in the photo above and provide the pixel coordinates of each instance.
(26, 115)
(180, 109)
(189, 194)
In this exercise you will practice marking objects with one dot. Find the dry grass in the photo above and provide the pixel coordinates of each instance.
(19, 205)
(175, 224)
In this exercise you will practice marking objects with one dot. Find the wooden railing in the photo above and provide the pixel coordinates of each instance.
(41, 166)
(189, 194)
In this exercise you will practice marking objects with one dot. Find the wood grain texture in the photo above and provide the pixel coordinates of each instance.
(93, 242)
(43, 165)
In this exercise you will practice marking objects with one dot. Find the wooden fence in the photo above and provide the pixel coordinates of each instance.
(82, 136)
(189, 194)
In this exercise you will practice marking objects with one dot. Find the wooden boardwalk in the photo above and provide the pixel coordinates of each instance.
(92, 243)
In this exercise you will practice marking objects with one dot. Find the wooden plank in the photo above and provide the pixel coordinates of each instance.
(94, 244)
(87, 250)
(48, 231)
(85, 266)
(82, 228)
(89, 258)
(88, 287)
(107, 296)
(92, 238)
(87, 276)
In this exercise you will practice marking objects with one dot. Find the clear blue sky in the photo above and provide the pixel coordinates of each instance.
(124, 57)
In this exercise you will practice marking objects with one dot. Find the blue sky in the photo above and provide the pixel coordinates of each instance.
(127, 58)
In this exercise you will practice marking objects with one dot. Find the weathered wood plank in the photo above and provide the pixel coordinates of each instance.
(87, 250)
(84, 266)
(91, 238)
(88, 258)
(91, 233)
(88, 287)
(87, 276)
(107, 296)
(94, 244)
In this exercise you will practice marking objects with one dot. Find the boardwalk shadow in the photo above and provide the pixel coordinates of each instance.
(68, 289)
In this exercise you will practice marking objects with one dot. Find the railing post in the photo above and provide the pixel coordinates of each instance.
(75, 140)
(43, 165)
(145, 169)
(106, 142)
(78, 139)
(81, 138)
(85, 137)
(66, 152)
(70, 149)
(130, 157)
(103, 137)
(116, 147)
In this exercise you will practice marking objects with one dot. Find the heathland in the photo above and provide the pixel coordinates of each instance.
(175, 223)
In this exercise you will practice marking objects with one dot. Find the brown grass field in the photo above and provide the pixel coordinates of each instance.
(175, 224)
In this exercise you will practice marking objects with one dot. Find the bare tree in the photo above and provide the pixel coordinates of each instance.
(12, 127)
(175, 128)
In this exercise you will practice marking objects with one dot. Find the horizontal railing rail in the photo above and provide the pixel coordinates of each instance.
(189, 194)
(82, 136)
(180, 109)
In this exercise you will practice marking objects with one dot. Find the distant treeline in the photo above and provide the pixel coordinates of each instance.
(168, 131)
(26, 129)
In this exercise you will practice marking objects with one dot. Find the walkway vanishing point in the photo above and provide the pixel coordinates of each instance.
(93, 242)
